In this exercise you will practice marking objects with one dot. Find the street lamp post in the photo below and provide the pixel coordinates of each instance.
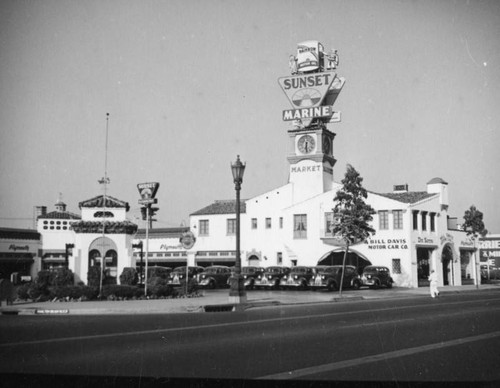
(237, 292)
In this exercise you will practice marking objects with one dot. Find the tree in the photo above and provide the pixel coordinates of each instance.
(474, 227)
(351, 214)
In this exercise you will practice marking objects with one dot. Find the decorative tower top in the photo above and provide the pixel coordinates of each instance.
(313, 87)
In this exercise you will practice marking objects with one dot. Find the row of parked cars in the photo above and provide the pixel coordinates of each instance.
(276, 277)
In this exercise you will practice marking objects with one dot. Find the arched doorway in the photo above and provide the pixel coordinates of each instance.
(105, 247)
(254, 260)
(337, 258)
(447, 262)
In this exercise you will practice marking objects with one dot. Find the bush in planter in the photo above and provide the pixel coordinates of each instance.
(129, 276)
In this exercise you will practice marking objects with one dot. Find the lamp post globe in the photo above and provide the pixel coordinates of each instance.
(237, 292)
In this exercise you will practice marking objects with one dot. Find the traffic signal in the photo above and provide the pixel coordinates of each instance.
(144, 213)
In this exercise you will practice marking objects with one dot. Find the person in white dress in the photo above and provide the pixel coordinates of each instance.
(433, 284)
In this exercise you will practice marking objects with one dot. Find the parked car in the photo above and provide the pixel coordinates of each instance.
(216, 276)
(271, 277)
(298, 277)
(375, 276)
(249, 274)
(179, 273)
(330, 278)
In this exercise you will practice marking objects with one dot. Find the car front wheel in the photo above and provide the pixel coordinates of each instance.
(356, 285)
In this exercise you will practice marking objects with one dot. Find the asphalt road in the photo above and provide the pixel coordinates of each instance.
(453, 338)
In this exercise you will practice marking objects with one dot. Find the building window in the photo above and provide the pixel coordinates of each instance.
(300, 226)
(396, 266)
(231, 226)
(203, 228)
(268, 223)
(281, 222)
(329, 224)
(398, 219)
(415, 220)
(424, 221)
(383, 220)
(279, 258)
(254, 223)
(433, 222)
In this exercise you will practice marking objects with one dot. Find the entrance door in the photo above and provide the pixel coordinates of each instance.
(423, 257)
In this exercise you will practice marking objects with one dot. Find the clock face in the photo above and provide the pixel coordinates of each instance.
(306, 144)
(326, 145)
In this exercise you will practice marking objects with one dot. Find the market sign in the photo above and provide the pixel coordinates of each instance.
(307, 91)
(148, 190)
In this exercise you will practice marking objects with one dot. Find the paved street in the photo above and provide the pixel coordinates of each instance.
(412, 338)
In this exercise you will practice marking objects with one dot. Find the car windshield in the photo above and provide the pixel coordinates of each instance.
(331, 269)
(371, 269)
(273, 269)
(248, 270)
(211, 270)
(299, 270)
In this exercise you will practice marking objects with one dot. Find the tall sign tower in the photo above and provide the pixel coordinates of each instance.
(312, 90)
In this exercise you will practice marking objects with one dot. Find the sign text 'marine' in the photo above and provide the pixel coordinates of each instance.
(301, 82)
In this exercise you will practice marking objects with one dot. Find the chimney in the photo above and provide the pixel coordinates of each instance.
(400, 188)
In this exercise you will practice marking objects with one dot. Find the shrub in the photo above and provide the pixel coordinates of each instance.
(43, 279)
(129, 276)
(192, 287)
(22, 291)
(158, 272)
(61, 277)
(119, 291)
(74, 292)
(38, 292)
(94, 276)
(162, 290)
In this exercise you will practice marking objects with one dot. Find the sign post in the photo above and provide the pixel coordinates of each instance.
(147, 192)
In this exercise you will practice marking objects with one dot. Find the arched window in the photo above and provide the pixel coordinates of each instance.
(93, 254)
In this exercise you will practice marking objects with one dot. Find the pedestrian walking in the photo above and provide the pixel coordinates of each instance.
(434, 284)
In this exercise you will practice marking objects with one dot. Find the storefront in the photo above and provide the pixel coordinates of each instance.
(19, 254)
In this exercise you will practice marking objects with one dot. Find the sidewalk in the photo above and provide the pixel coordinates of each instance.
(218, 300)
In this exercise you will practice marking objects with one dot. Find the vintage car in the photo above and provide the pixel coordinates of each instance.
(271, 277)
(298, 277)
(330, 277)
(249, 274)
(216, 276)
(179, 273)
(375, 276)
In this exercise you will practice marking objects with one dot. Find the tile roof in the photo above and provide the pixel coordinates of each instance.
(162, 232)
(19, 234)
(221, 207)
(98, 201)
(408, 197)
(60, 215)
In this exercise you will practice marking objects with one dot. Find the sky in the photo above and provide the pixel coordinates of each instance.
(191, 84)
